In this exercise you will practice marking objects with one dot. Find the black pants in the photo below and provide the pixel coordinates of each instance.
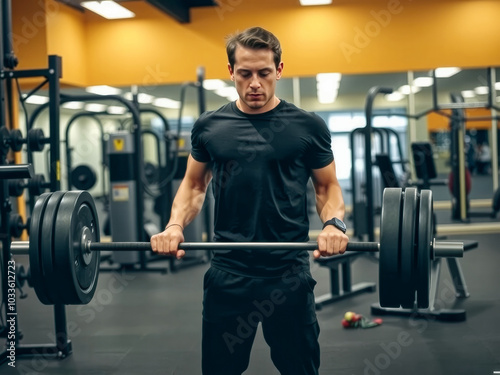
(233, 307)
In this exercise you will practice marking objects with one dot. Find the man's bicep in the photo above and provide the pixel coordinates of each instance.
(322, 177)
(198, 174)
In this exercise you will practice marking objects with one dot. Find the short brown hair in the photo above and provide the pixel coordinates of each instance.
(254, 38)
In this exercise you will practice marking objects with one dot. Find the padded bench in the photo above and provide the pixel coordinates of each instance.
(340, 279)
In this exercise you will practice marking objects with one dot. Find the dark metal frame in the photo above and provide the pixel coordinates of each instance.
(384, 140)
(436, 108)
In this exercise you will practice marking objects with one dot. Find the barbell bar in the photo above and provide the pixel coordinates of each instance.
(22, 247)
(64, 248)
(441, 248)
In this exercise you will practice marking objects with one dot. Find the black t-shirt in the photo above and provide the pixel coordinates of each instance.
(261, 164)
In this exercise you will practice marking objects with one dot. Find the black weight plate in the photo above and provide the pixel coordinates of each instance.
(36, 273)
(83, 177)
(37, 185)
(36, 139)
(80, 271)
(408, 229)
(16, 188)
(151, 172)
(16, 225)
(49, 269)
(4, 140)
(425, 218)
(16, 140)
(389, 260)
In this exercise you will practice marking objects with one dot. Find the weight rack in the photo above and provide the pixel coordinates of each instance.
(52, 74)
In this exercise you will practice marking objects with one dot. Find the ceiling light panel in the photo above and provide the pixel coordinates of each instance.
(167, 103)
(327, 87)
(95, 107)
(73, 105)
(407, 89)
(446, 72)
(423, 81)
(213, 84)
(116, 110)
(315, 2)
(481, 90)
(37, 99)
(227, 92)
(395, 96)
(103, 90)
(108, 9)
(468, 94)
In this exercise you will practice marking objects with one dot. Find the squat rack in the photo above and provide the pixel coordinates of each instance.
(51, 75)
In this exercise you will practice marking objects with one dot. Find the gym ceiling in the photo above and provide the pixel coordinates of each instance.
(178, 9)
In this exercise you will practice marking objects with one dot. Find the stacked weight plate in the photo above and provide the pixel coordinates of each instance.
(405, 248)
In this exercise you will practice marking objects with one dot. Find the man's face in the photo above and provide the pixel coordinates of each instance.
(255, 76)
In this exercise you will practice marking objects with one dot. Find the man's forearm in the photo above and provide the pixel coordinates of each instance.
(187, 204)
(329, 202)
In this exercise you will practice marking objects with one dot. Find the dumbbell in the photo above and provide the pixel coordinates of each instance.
(35, 140)
(36, 186)
(17, 225)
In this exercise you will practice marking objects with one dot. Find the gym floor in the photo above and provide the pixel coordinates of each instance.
(150, 323)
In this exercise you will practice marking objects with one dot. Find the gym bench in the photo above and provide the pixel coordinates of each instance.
(340, 279)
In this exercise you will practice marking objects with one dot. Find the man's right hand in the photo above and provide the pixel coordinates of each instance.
(167, 242)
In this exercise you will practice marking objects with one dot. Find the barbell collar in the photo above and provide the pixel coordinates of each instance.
(447, 249)
(20, 247)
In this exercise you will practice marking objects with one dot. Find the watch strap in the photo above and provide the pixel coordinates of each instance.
(337, 223)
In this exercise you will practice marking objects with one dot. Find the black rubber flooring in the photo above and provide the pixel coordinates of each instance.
(149, 323)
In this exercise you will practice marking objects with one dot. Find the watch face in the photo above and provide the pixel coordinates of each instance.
(340, 224)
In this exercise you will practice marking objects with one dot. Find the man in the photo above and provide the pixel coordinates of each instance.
(259, 152)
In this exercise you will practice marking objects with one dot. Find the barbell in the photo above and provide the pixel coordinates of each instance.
(64, 248)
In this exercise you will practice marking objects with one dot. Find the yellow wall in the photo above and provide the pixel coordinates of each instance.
(29, 33)
(352, 36)
(44, 27)
(478, 118)
(66, 36)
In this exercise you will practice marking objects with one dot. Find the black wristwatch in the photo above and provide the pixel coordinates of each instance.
(337, 223)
